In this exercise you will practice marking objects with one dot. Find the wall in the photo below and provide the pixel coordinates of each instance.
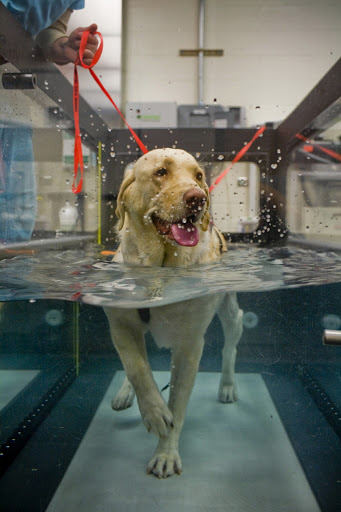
(275, 51)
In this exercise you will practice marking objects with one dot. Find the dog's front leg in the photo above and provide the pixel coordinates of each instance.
(166, 460)
(128, 338)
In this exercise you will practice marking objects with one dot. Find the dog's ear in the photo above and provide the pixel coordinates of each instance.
(120, 209)
(205, 222)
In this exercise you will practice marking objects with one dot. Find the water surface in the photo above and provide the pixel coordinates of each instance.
(82, 275)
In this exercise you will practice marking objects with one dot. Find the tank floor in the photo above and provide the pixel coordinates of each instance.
(12, 382)
(235, 457)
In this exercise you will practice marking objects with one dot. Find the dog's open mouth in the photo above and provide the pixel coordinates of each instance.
(184, 232)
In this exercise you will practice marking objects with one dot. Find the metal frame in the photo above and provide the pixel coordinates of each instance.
(301, 120)
(208, 144)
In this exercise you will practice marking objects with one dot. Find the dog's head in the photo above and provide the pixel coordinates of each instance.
(166, 191)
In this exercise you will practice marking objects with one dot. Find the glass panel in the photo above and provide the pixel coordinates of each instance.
(235, 203)
(314, 182)
(243, 345)
(37, 169)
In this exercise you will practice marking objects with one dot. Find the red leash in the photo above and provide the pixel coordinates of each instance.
(78, 154)
(238, 157)
(312, 146)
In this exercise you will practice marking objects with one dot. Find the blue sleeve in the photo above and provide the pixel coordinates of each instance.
(35, 15)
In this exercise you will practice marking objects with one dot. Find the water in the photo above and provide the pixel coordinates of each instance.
(288, 382)
(84, 276)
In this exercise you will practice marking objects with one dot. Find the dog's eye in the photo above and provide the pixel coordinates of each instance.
(199, 176)
(161, 172)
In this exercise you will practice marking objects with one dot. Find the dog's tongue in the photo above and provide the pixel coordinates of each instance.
(185, 233)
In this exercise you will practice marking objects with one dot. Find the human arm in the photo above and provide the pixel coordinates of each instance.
(62, 49)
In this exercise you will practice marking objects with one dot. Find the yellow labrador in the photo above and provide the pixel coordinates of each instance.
(164, 220)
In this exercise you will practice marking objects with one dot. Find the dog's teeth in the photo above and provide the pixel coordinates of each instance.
(184, 220)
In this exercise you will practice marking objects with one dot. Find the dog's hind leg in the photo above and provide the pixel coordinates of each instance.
(124, 398)
(231, 318)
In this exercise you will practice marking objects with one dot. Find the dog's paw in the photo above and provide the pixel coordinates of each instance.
(227, 393)
(156, 416)
(124, 398)
(165, 463)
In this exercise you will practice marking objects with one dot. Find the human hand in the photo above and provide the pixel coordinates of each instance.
(66, 49)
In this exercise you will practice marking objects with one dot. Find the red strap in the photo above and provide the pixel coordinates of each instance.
(78, 154)
(312, 146)
(136, 137)
(238, 157)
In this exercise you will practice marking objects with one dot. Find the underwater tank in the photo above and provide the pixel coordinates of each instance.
(277, 448)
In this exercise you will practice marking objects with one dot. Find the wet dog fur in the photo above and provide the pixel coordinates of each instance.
(163, 220)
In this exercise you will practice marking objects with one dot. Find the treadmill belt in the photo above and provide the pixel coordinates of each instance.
(235, 457)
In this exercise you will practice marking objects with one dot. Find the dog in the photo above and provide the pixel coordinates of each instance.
(163, 220)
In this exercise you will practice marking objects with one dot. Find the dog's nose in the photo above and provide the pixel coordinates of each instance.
(195, 198)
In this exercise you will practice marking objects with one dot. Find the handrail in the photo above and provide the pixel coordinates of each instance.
(324, 94)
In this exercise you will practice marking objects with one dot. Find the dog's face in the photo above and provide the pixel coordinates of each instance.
(166, 192)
